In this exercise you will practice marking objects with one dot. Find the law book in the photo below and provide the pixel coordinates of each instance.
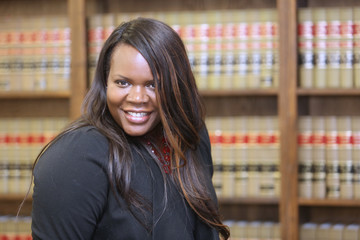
(268, 40)
(241, 65)
(345, 137)
(356, 39)
(336, 232)
(238, 231)
(241, 155)
(355, 121)
(269, 156)
(277, 231)
(332, 158)
(228, 157)
(305, 158)
(346, 48)
(320, 47)
(319, 158)
(323, 231)
(351, 232)
(227, 65)
(214, 66)
(333, 47)
(254, 167)
(305, 46)
(252, 230)
(307, 231)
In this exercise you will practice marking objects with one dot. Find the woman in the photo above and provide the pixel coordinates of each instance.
(137, 164)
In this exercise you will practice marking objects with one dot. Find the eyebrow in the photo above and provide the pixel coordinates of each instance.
(129, 79)
(119, 75)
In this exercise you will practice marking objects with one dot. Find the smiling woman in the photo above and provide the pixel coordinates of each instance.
(137, 164)
(131, 96)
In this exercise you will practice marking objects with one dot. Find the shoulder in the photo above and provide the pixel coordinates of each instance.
(84, 146)
(85, 138)
(71, 185)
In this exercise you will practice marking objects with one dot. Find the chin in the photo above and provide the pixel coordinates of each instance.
(136, 133)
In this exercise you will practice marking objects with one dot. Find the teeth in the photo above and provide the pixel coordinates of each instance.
(137, 114)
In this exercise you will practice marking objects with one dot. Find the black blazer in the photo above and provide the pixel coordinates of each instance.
(72, 197)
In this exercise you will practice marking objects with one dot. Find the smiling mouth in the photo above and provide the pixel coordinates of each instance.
(138, 114)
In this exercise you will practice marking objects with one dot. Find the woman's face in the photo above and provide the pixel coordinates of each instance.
(131, 92)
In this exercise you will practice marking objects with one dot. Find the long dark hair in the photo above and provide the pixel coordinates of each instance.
(180, 107)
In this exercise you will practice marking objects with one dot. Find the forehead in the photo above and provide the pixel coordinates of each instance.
(126, 59)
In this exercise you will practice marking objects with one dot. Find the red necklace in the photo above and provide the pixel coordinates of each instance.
(163, 156)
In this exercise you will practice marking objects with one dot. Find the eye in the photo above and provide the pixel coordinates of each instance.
(151, 84)
(121, 83)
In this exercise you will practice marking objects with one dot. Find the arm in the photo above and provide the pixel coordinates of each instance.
(202, 230)
(71, 187)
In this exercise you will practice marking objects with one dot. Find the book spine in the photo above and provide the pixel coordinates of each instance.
(332, 158)
(306, 51)
(228, 157)
(346, 48)
(356, 155)
(345, 157)
(320, 44)
(305, 157)
(333, 47)
(241, 155)
(356, 39)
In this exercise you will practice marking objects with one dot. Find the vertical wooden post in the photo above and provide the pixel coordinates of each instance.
(78, 85)
(289, 212)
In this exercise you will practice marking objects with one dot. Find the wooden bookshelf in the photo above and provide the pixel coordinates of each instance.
(244, 92)
(328, 92)
(329, 202)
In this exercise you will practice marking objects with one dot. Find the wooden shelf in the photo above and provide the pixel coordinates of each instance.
(330, 202)
(35, 94)
(239, 92)
(328, 92)
(249, 201)
(14, 197)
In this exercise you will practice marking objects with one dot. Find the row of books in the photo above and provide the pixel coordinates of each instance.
(329, 157)
(15, 228)
(339, 231)
(329, 47)
(40, 31)
(245, 151)
(197, 26)
(330, 131)
(21, 140)
(35, 53)
(228, 49)
(35, 69)
(254, 230)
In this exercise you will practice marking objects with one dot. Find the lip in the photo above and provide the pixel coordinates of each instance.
(136, 116)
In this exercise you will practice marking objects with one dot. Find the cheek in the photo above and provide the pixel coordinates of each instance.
(114, 97)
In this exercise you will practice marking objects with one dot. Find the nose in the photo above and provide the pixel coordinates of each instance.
(137, 95)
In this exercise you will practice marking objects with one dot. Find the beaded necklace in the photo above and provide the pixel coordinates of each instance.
(163, 156)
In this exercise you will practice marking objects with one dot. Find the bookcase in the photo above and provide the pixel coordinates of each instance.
(288, 101)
